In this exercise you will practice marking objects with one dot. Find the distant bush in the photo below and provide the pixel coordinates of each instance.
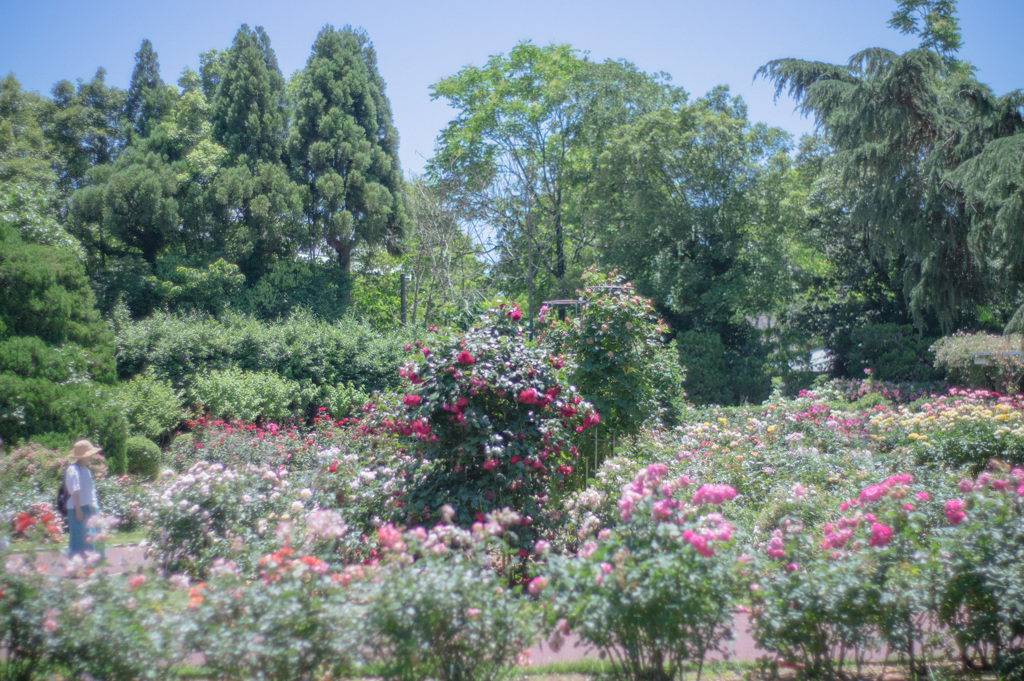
(248, 395)
(152, 406)
(1004, 368)
(301, 348)
(290, 286)
(143, 456)
(893, 352)
(716, 374)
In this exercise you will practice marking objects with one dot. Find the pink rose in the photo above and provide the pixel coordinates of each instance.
(880, 535)
(955, 511)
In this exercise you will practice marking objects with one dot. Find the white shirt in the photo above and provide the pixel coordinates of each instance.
(79, 478)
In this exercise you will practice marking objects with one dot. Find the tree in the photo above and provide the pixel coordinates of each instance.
(344, 148)
(25, 155)
(689, 217)
(147, 99)
(248, 119)
(910, 133)
(56, 353)
(447, 279)
(247, 109)
(83, 125)
(521, 153)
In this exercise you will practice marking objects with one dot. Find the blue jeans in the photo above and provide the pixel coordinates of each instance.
(78, 532)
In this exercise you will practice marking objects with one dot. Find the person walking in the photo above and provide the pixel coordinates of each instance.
(82, 500)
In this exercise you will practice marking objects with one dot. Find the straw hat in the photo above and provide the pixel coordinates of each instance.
(83, 450)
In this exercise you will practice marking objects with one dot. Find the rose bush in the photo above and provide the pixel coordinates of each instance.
(488, 422)
(979, 591)
(438, 608)
(657, 592)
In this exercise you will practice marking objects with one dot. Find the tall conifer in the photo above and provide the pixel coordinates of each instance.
(344, 147)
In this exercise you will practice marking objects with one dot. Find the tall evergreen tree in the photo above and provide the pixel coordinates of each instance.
(248, 113)
(147, 100)
(248, 120)
(344, 147)
(910, 131)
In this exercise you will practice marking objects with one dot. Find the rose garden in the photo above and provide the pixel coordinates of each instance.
(513, 491)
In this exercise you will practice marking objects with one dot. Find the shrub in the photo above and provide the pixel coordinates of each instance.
(56, 354)
(657, 592)
(143, 457)
(152, 406)
(343, 399)
(868, 579)
(719, 374)
(238, 514)
(489, 421)
(85, 627)
(893, 352)
(615, 352)
(445, 615)
(317, 355)
(292, 285)
(981, 581)
(297, 621)
(1002, 367)
(248, 395)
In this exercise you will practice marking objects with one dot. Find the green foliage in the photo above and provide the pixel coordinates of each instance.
(248, 395)
(928, 159)
(342, 399)
(29, 211)
(981, 360)
(143, 456)
(24, 154)
(446, 616)
(147, 100)
(305, 359)
(654, 595)
(981, 574)
(716, 374)
(83, 127)
(289, 286)
(376, 291)
(295, 622)
(934, 20)
(344, 147)
(56, 354)
(613, 343)
(522, 153)
(208, 289)
(491, 421)
(890, 352)
(247, 118)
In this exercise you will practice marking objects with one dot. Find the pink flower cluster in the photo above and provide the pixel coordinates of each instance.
(836, 536)
(776, 545)
(894, 486)
(716, 529)
(880, 535)
(714, 494)
(644, 485)
(954, 511)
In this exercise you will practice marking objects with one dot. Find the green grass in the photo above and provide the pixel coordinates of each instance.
(46, 546)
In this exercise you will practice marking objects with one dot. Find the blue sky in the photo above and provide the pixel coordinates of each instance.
(699, 43)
